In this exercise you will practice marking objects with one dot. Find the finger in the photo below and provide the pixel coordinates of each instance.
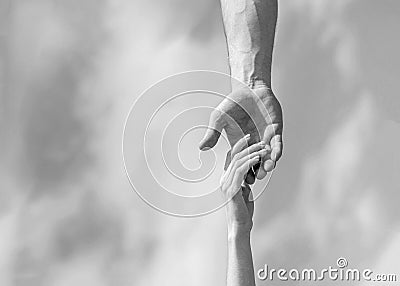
(260, 153)
(262, 171)
(272, 137)
(240, 145)
(277, 147)
(227, 160)
(250, 176)
(235, 165)
(258, 168)
(245, 155)
(250, 150)
(269, 165)
(233, 184)
(243, 168)
(276, 143)
(271, 131)
(215, 126)
(236, 168)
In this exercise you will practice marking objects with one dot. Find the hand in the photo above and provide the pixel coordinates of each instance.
(240, 206)
(256, 112)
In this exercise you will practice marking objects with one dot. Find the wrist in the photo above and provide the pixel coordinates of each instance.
(251, 70)
(256, 83)
(253, 81)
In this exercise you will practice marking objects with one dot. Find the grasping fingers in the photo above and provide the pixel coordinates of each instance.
(243, 159)
(237, 154)
(244, 165)
(273, 139)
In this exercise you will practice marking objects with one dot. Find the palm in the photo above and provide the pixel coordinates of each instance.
(256, 112)
(253, 112)
(259, 114)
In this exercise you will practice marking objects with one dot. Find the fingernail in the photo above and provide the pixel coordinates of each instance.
(247, 136)
(262, 143)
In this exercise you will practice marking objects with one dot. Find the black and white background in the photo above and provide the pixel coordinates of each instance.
(69, 72)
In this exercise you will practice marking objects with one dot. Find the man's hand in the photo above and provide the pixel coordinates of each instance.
(249, 111)
(250, 34)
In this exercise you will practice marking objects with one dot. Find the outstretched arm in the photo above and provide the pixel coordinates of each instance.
(250, 32)
(239, 211)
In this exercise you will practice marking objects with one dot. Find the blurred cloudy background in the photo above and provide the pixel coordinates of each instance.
(69, 71)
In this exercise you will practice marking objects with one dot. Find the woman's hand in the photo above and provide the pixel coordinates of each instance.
(236, 191)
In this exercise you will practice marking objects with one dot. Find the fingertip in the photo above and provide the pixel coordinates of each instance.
(261, 173)
(240, 144)
(269, 165)
(277, 138)
(276, 153)
(244, 141)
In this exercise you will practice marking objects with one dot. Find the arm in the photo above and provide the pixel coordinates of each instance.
(239, 211)
(240, 261)
(250, 32)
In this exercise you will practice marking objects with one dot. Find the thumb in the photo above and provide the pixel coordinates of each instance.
(215, 126)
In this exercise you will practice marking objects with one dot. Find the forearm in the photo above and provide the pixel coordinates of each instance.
(250, 32)
(240, 261)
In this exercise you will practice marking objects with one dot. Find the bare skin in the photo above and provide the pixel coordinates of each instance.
(250, 32)
(239, 211)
